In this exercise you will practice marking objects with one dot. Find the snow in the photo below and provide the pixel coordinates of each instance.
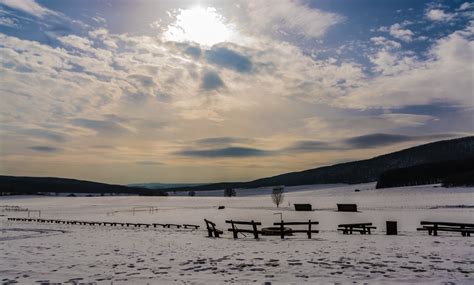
(33, 252)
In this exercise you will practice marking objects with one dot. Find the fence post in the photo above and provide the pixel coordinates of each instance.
(255, 232)
(282, 230)
(309, 229)
(234, 229)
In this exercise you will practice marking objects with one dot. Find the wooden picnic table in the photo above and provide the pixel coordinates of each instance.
(433, 227)
(363, 228)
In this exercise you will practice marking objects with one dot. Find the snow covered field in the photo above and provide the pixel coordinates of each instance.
(34, 252)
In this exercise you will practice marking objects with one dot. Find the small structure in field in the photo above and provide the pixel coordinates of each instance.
(303, 207)
(347, 207)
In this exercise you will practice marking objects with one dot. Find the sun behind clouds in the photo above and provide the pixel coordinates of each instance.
(201, 25)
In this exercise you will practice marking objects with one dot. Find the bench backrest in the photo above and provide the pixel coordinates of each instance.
(243, 222)
(252, 223)
(447, 224)
(303, 207)
(347, 207)
(355, 225)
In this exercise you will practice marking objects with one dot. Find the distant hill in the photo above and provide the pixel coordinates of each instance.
(163, 185)
(17, 185)
(450, 173)
(359, 171)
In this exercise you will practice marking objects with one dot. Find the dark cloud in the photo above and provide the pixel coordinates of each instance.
(227, 58)
(42, 148)
(376, 140)
(225, 152)
(309, 146)
(143, 80)
(103, 127)
(46, 134)
(193, 51)
(222, 141)
(211, 81)
(434, 109)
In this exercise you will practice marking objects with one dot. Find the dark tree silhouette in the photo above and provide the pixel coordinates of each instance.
(277, 196)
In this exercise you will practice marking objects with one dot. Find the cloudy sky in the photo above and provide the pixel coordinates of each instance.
(204, 91)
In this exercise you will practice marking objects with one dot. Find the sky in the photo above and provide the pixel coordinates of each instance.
(206, 91)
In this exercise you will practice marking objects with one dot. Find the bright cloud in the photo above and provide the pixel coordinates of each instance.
(29, 7)
(439, 15)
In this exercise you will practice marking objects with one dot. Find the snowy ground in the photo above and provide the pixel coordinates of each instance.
(75, 253)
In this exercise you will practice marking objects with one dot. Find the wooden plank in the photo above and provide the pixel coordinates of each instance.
(294, 223)
(446, 224)
(244, 231)
(243, 222)
(301, 231)
(355, 225)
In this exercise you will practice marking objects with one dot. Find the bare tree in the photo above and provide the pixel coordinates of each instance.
(277, 195)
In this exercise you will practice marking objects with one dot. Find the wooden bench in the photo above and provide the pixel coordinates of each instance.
(284, 231)
(235, 231)
(191, 226)
(433, 227)
(303, 207)
(363, 228)
(212, 231)
(347, 207)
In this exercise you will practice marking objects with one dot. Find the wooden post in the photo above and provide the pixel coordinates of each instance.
(309, 229)
(282, 230)
(255, 232)
(435, 230)
(234, 229)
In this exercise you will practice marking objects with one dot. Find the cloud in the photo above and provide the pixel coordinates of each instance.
(466, 6)
(101, 126)
(397, 31)
(211, 81)
(381, 139)
(46, 134)
(230, 59)
(76, 42)
(225, 152)
(8, 22)
(376, 140)
(411, 81)
(385, 43)
(439, 15)
(432, 109)
(193, 51)
(310, 146)
(29, 7)
(144, 81)
(222, 141)
(47, 149)
(290, 17)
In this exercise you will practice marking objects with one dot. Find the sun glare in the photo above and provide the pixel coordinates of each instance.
(201, 25)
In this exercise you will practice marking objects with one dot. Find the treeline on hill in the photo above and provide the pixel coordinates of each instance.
(358, 171)
(449, 173)
(17, 185)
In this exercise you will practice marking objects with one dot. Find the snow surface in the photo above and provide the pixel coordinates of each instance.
(33, 252)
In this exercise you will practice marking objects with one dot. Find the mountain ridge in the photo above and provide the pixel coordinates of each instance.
(367, 170)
